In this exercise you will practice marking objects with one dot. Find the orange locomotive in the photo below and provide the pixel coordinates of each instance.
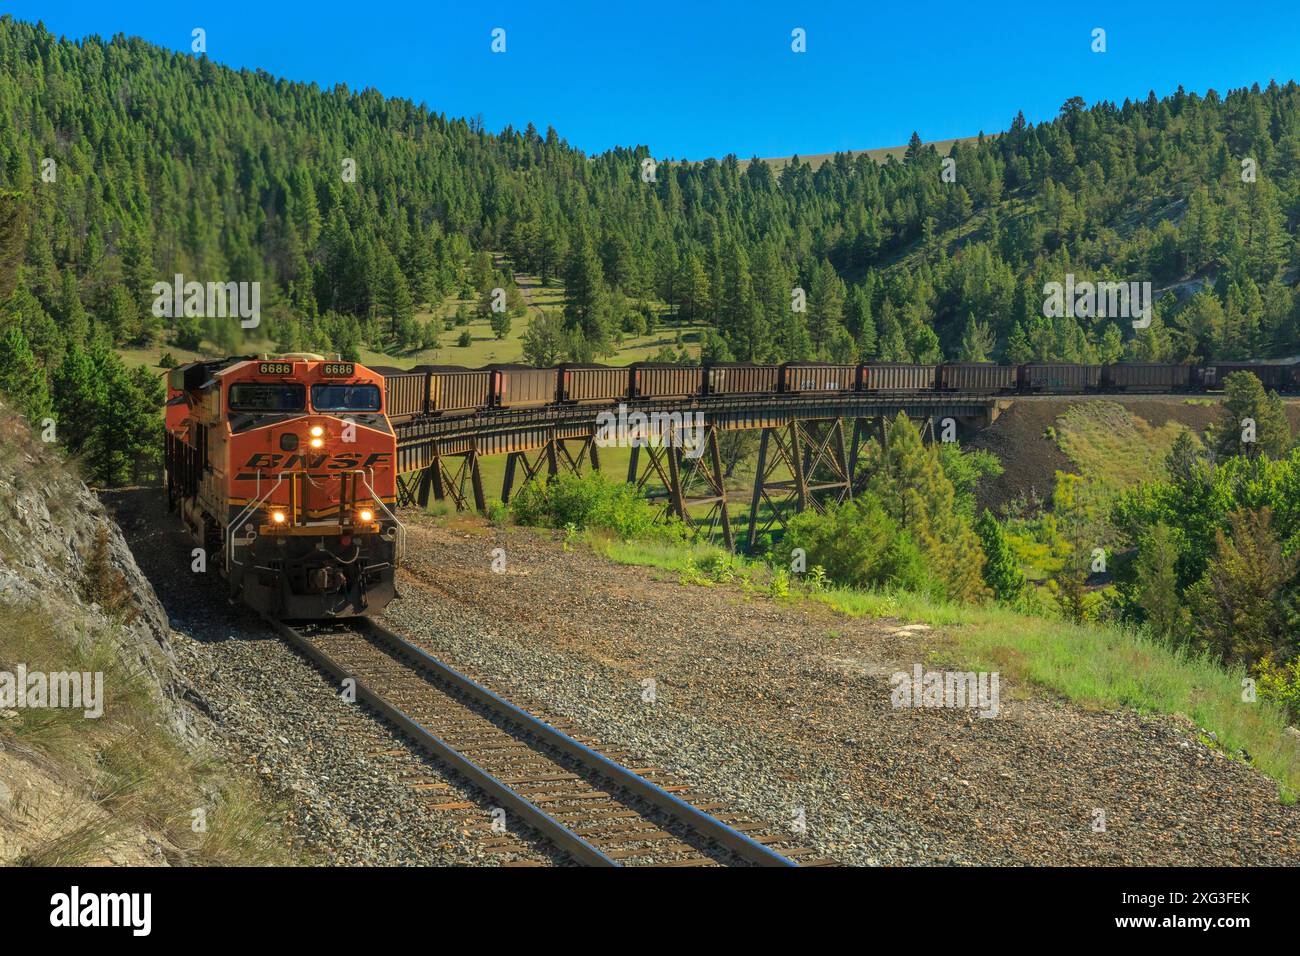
(283, 469)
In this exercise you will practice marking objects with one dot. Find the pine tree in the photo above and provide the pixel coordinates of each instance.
(976, 341)
(1236, 605)
(13, 232)
(890, 343)
(1156, 575)
(825, 306)
(1184, 458)
(78, 398)
(71, 313)
(500, 323)
(1019, 348)
(544, 342)
(1002, 572)
(909, 480)
(586, 305)
(22, 380)
(1245, 402)
(127, 430)
(860, 323)
(394, 298)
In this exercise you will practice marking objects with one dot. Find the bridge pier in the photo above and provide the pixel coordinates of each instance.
(446, 482)
(679, 474)
(556, 455)
(815, 455)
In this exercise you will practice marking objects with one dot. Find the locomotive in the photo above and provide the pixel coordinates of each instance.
(283, 470)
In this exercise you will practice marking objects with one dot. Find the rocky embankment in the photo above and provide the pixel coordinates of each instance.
(216, 742)
(127, 768)
(73, 599)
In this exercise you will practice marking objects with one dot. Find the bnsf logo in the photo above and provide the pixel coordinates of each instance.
(340, 462)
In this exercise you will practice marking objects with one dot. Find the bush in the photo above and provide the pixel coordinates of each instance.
(1280, 683)
(465, 339)
(589, 502)
(858, 545)
(1002, 572)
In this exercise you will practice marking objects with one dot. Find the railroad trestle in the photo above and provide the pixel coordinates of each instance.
(804, 458)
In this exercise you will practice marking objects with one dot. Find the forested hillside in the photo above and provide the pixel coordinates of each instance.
(164, 163)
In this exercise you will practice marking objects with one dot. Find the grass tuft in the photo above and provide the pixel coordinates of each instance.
(132, 773)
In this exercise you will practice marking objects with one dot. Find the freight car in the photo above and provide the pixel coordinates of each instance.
(977, 377)
(283, 470)
(799, 377)
(593, 384)
(1146, 377)
(898, 377)
(1280, 377)
(741, 378)
(522, 386)
(662, 381)
(1059, 377)
(456, 390)
(406, 391)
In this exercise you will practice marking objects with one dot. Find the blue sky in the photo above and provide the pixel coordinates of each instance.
(698, 78)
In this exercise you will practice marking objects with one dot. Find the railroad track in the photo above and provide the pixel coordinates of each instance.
(594, 809)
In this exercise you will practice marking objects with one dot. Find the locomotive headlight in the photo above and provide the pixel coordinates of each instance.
(316, 443)
(317, 431)
(277, 517)
(366, 516)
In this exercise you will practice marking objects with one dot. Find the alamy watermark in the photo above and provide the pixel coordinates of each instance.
(952, 689)
(213, 299)
(1098, 300)
(130, 910)
(77, 690)
(624, 429)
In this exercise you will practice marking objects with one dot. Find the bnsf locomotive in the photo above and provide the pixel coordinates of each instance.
(439, 391)
(283, 470)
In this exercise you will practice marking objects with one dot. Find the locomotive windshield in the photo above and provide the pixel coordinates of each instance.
(268, 397)
(345, 398)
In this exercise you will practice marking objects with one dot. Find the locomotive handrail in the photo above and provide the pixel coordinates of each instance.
(243, 516)
(399, 551)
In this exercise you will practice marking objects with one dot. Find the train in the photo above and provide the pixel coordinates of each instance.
(449, 390)
(283, 470)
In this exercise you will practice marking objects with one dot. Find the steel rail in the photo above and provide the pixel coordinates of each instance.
(550, 828)
(697, 820)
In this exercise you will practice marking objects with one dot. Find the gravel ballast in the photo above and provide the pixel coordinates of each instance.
(354, 793)
(781, 711)
(784, 711)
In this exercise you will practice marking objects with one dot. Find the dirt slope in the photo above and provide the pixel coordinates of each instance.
(1031, 455)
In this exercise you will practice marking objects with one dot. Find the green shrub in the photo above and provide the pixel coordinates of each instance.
(779, 586)
(590, 502)
(1002, 572)
(858, 545)
(1280, 683)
